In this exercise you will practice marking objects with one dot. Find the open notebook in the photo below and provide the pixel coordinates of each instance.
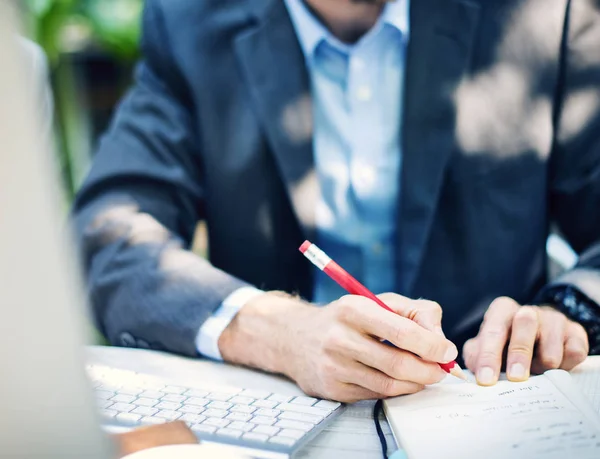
(546, 417)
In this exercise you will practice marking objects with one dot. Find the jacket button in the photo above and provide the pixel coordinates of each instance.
(127, 340)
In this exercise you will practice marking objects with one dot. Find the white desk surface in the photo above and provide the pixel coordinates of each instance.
(351, 436)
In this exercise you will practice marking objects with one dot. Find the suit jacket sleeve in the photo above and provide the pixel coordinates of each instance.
(575, 167)
(137, 211)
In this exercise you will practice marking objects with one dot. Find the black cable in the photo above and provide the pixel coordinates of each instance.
(377, 410)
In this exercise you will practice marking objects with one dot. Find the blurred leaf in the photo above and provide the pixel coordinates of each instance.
(117, 24)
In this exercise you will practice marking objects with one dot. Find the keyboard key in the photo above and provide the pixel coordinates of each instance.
(104, 394)
(290, 433)
(148, 421)
(152, 394)
(267, 430)
(243, 409)
(306, 401)
(243, 426)
(302, 409)
(145, 411)
(265, 403)
(256, 437)
(230, 433)
(129, 419)
(174, 398)
(268, 413)
(168, 406)
(327, 405)
(242, 400)
(219, 397)
(255, 393)
(264, 420)
(219, 405)
(123, 407)
(216, 413)
(130, 391)
(202, 428)
(123, 398)
(192, 419)
(104, 403)
(216, 422)
(293, 416)
(283, 441)
(191, 409)
(195, 393)
(174, 390)
(145, 402)
(169, 415)
(196, 401)
(244, 417)
(108, 414)
(297, 425)
(280, 398)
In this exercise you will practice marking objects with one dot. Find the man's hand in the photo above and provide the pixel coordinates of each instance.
(538, 339)
(336, 352)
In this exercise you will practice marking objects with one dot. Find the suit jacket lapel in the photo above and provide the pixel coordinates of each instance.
(274, 67)
(440, 44)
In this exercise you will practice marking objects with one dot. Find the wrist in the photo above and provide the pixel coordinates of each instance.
(261, 334)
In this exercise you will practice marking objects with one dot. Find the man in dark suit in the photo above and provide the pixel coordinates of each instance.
(427, 146)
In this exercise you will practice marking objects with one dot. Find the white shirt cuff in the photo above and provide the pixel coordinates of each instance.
(207, 340)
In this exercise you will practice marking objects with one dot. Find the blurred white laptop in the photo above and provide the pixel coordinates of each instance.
(47, 406)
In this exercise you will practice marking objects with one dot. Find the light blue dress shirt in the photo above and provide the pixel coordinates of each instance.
(357, 93)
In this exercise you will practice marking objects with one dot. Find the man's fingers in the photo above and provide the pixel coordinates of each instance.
(376, 381)
(549, 352)
(492, 338)
(576, 346)
(470, 352)
(367, 316)
(428, 314)
(393, 362)
(525, 328)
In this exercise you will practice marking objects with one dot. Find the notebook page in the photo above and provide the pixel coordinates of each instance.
(587, 378)
(529, 420)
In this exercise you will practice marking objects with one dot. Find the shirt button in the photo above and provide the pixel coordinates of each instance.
(364, 94)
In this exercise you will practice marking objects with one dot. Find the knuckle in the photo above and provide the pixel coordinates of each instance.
(494, 333)
(334, 341)
(397, 364)
(488, 356)
(526, 316)
(550, 361)
(387, 386)
(520, 349)
(345, 309)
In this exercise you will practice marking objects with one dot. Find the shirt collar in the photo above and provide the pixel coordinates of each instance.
(311, 32)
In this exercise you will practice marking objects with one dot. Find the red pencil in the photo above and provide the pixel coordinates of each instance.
(322, 261)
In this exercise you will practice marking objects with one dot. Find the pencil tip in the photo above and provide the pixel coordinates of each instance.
(459, 373)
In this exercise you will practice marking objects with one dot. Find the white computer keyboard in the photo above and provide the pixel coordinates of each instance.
(253, 419)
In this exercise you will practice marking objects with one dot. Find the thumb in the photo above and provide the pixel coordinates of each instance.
(428, 314)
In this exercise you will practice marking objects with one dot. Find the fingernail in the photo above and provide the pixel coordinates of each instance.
(517, 371)
(451, 354)
(485, 376)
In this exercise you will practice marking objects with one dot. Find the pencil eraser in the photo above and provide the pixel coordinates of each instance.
(305, 246)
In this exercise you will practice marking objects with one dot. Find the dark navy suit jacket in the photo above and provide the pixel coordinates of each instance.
(501, 140)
